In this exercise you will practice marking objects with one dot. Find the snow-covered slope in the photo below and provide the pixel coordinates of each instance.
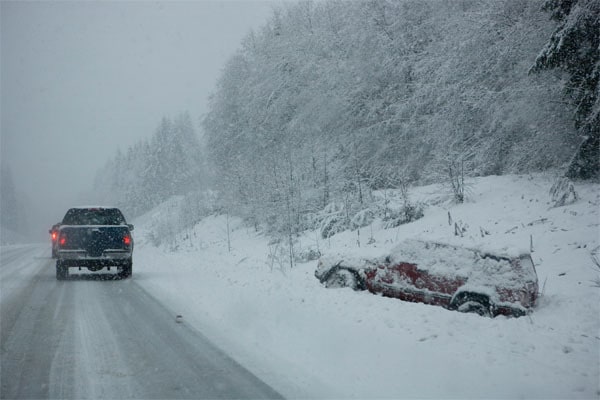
(309, 341)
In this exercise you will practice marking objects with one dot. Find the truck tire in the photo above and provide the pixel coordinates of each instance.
(62, 271)
(126, 270)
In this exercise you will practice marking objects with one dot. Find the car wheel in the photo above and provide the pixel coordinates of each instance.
(342, 278)
(475, 307)
(473, 303)
(62, 271)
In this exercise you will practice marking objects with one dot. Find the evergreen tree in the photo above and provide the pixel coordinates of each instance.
(575, 48)
(150, 172)
(8, 201)
(13, 217)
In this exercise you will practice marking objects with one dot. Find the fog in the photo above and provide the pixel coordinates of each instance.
(82, 79)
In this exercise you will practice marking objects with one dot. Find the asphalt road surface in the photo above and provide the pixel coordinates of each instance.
(94, 338)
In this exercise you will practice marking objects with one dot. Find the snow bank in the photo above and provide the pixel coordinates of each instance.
(311, 342)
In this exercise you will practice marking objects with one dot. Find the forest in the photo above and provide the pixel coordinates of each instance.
(331, 104)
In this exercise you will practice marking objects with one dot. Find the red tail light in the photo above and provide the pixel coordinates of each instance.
(63, 240)
(127, 240)
(54, 236)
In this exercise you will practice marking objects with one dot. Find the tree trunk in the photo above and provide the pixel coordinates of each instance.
(586, 161)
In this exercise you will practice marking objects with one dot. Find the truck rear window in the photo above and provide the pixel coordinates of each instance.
(93, 216)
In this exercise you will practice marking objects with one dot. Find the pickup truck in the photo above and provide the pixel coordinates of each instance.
(94, 238)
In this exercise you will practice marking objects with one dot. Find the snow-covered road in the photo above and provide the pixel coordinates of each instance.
(94, 338)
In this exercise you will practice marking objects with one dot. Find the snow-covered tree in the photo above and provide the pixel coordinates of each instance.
(170, 163)
(575, 48)
(8, 201)
(331, 100)
(13, 221)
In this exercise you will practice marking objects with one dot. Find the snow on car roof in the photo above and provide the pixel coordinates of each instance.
(453, 261)
(94, 207)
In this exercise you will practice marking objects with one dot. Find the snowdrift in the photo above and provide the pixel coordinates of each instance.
(312, 342)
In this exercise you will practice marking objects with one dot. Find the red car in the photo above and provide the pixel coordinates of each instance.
(453, 277)
(54, 237)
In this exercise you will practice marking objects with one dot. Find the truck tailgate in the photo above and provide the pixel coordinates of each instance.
(94, 239)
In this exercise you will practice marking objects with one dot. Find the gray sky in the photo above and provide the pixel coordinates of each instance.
(81, 79)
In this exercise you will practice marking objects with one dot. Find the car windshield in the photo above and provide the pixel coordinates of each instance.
(93, 216)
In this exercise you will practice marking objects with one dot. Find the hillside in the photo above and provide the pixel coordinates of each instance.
(309, 341)
(330, 100)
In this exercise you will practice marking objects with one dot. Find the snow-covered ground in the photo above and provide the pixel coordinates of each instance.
(311, 342)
